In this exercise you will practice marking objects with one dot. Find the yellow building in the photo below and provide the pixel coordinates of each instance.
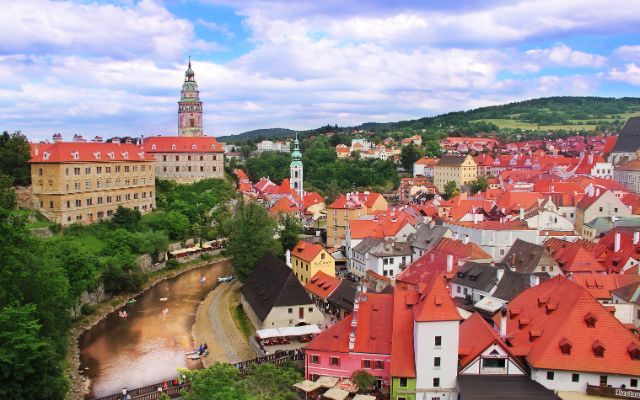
(80, 182)
(307, 259)
(459, 169)
(349, 207)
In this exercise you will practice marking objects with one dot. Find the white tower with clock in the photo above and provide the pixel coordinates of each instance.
(190, 106)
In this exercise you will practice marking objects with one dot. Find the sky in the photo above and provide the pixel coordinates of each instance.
(98, 67)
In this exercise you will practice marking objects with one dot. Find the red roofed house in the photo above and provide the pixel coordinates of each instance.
(307, 259)
(424, 167)
(320, 287)
(569, 339)
(84, 182)
(314, 205)
(186, 159)
(598, 203)
(349, 207)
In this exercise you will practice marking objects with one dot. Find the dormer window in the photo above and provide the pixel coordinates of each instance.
(522, 322)
(193, 146)
(590, 319)
(141, 154)
(565, 347)
(153, 146)
(111, 155)
(551, 307)
(125, 154)
(634, 351)
(96, 155)
(75, 155)
(46, 155)
(542, 301)
(173, 147)
(598, 349)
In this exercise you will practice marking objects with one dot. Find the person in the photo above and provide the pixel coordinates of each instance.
(124, 391)
(201, 349)
(206, 347)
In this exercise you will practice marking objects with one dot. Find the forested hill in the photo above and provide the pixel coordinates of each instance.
(567, 113)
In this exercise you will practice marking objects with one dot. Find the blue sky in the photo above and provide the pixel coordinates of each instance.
(98, 67)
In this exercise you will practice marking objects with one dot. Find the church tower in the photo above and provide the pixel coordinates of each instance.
(296, 169)
(190, 106)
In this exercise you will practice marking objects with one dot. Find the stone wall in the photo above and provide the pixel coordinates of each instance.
(24, 197)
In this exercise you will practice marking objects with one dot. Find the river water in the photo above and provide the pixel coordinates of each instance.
(148, 346)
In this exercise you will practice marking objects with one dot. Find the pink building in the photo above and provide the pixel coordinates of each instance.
(354, 343)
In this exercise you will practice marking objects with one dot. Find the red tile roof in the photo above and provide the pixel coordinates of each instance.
(242, 176)
(182, 144)
(572, 257)
(68, 152)
(322, 285)
(402, 355)
(312, 198)
(356, 200)
(604, 249)
(600, 286)
(476, 335)
(435, 304)
(306, 251)
(566, 322)
(284, 205)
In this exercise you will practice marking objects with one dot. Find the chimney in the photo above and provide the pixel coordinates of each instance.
(78, 138)
(432, 223)
(616, 243)
(456, 236)
(57, 137)
(522, 213)
(503, 322)
(97, 139)
(590, 159)
(115, 140)
(475, 218)
(598, 192)
(636, 237)
(534, 280)
(288, 258)
(449, 262)
(466, 239)
(499, 273)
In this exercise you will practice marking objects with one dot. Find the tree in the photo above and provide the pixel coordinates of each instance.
(218, 382)
(252, 235)
(290, 232)
(450, 190)
(271, 382)
(409, 155)
(479, 185)
(432, 149)
(177, 225)
(15, 153)
(7, 193)
(363, 380)
(127, 218)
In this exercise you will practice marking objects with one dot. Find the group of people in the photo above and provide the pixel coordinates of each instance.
(203, 350)
(123, 314)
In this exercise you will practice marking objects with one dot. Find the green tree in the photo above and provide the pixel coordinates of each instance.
(408, 155)
(127, 218)
(479, 185)
(290, 232)
(363, 380)
(218, 382)
(177, 225)
(15, 153)
(271, 382)
(450, 190)
(7, 193)
(432, 149)
(252, 235)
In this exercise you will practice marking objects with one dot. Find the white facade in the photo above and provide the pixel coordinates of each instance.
(549, 221)
(564, 380)
(493, 361)
(423, 170)
(495, 242)
(436, 343)
(268, 145)
(602, 170)
(630, 179)
(280, 317)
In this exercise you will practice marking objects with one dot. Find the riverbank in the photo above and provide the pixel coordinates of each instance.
(79, 384)
(215, 326)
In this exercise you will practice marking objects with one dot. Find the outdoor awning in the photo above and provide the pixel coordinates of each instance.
(364, 397)
(288, 331)
(307, 386)
(489, 304)
(347, 385)
(327, 381)
(336, 394)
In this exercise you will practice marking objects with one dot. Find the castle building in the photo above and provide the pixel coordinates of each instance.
(84, 182)
(190, 106)
(296, 169)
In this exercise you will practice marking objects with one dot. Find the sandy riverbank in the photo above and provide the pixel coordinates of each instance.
(215, 326)
(79, 384)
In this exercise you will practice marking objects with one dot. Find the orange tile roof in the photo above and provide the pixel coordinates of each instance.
(435, 304)
(306, 251)
(427, 161)
(357, 200)
(402, 355)
(182, 144)
(547, 327)
(604, 249)
(457, 248)
(284, 205)
(600, 286)
(572, 257)
(312, 198)
(475, 337)
(72, 152)
(322, 285)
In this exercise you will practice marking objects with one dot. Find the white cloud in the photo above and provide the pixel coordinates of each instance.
(561, 54)
(628, 53)
(215, 27)
(629, 74)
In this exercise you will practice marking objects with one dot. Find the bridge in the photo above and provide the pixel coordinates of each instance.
(152, 392)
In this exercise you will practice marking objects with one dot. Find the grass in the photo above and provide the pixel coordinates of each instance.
(515, 124)
(38, 224)
(240, 317)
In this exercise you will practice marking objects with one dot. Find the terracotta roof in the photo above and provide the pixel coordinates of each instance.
(475, 337)
(284, 205)
(182, 144)
(547, 326)
(427, 161)
(402, 354)
(435, 304)
(356, 200)
(495, 225)
(312, 198)
(242, 176)
(572, 257)
(629, 293)
(469, 251)
(587, 201)
(322, 285)
(601, 286)
(77, 152)
(307, 251)
(614, 261)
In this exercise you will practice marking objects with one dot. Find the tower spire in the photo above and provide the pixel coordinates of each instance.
(190, 106)
(296, 169)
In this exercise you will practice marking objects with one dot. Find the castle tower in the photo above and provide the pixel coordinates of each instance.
(296, 169)
(190, 106)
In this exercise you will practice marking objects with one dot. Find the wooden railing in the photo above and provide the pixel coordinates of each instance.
(617, 393)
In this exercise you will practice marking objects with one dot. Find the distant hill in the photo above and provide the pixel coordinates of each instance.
(269, 133)
(570, 113)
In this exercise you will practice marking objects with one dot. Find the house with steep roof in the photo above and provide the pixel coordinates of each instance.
(599, 226)
(598, 203)
(424, 167)
(628, 142)
(342, 299)
(626, 300)
(320, 287)
(530, 258)
(574, 258)
(628, 174)
(616, 291)
(386, 257)
(348, 207)
(427, 237)
(569, 340)
(307, 259)
(272, 297)
(618, 250)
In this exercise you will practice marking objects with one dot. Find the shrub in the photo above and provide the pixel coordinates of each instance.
(87, 309)
(173, 263)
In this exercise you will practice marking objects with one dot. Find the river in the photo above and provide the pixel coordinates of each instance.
(148, 346)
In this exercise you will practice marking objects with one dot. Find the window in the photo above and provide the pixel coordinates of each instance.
(98, 170)
(366, 363)
(634, 382)
(550, 375)
(51, 204)
(575, 377)
(379, 364)
(290, 311)
(437, 341)
(403, 382)
(335, 361)
(603, 380)
(76, 171)
(177, 158)
(315, 359)
(493, 363)
(78, 203)
(436, 382)
(436, 362)
(600, 209)
(87, 170)
(310, 309)
(164, 158)
(89, 201)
